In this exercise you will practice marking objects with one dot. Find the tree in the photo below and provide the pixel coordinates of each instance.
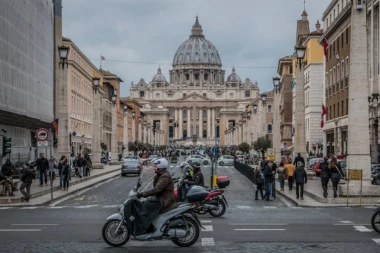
(244, 147)
(262, 144)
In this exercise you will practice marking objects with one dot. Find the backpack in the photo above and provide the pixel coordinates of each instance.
(261, 178)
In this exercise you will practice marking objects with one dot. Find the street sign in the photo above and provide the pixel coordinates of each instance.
(42, 143)
(154, 148)
(355, 174)
(228, 148)
(214, 151)
(42, 134)
(271, 154)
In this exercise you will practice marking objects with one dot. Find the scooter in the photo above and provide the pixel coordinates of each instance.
(375, 220)
(142, 220)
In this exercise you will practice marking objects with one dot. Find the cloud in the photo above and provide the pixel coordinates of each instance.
(246, 33)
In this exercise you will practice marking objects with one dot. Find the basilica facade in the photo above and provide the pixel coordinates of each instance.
(196, 104)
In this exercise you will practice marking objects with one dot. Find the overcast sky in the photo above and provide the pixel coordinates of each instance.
(247, 33)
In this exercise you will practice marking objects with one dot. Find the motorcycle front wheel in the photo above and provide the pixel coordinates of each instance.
(375, 221)
(113, 237)
(192, 234)
(220, 210)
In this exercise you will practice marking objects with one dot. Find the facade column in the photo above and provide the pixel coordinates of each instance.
(276, 132)
(200, 133)
(96, 149)
(133, 137)
(145, 133)
(125, 132)
(175, 121)
(300, 138)
(63, 126)
(188, 123)
(139, 131)
(209, 119)
(114, 154)
(213, 123)
(180, 123)
(148, 135)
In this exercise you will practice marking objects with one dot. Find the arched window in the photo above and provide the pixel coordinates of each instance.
(204, 134)
(184, 133)
(269, 128)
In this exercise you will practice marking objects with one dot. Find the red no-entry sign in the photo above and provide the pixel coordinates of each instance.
(42, 134)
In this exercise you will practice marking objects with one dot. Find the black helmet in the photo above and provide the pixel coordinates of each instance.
(27, 163)
(196, 165)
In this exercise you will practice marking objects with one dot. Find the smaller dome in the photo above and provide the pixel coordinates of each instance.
(159, 77)
(233, 77)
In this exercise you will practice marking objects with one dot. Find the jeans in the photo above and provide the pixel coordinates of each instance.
(66, 181)
(80, 171)
(324, 181)
(42, 174)
(282, 183)
(51, 177)
(290, 183)
(268, 189)
(259, 187)
(85, 171)
(27, 186)
(297, 190)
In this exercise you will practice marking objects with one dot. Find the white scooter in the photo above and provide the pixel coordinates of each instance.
(141, 219)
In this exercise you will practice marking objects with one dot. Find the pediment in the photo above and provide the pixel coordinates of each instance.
(190, 98)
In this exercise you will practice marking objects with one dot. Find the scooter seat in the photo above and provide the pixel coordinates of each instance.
(181, 203)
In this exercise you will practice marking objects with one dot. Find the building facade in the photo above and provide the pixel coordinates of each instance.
(27, 73)
(197, 103)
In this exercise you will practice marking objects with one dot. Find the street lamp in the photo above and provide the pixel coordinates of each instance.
(114, 94)
(300, 54)
(276, 84)
(254, 108)
(244, 119)
(95, 82)
(140, 118)
(249, 114)
(125, 110)
(63, 54)
(263, 98)
(133, 114)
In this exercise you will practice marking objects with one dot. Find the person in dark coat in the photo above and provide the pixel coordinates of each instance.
(336, 172)
(325, 175)
(268, 174)
(7, 172)
(258, 180)
(300, 177)
(26, 179)
(299, 158)
(43, 166)
(198, 178)
(163, 187)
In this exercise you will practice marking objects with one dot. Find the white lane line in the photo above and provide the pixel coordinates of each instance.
(376, 240)
(205, 221)
(207, 228)
(111, 206)
(270, 207)
(20, 230)
(346, 222)
(85, 206)
(29, 207)
(259, 229)
(208, 242)
(338, 224)
(244, 207)
(34, 224)
(258, 224)
(362, 229)
(56, 207)
(4, 208)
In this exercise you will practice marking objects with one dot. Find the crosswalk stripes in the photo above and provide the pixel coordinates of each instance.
(207, 241)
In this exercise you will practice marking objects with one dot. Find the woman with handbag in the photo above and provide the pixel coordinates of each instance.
(336, 174)
(280, 172)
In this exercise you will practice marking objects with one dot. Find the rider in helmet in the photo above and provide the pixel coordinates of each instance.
(198, 176)
(163, 187)
(187, 171)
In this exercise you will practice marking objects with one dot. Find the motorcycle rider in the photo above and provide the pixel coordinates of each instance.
(198, 176)
(187, 171)
(163, 187)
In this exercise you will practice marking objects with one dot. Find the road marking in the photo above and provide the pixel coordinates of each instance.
(34, 224)
(205, 221)
(208, 242)
(85, 206)
(270, 207)
(20, 230)
(362, 229)
(56, 207)
(287, 203)
(30, 207)
(376, 240)
(338, 224)
(258, 224)
(207, 228)
(260, 229)
(244, 207)
(111, 206)
(346, 222)
(4, 208)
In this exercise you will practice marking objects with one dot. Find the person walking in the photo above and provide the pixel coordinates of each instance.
(268, 174)
(325, 175)
(52, 167)
(299, 158)
(43, 166)
(336, 174)
(280, 173)
(81, 163)
(289, 171)
(66, 173)
(88, 164)
(60, 169)
(300, 177)
(26, 179)
(258, 180)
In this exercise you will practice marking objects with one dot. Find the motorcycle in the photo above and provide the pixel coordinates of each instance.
(142, 220)
(375, 220)
(215, 203)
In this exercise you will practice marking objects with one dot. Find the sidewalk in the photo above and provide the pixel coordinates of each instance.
(313, 196)
(42, 195)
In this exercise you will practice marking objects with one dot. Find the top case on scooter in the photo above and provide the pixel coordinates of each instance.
(196, 194)
(223, 181)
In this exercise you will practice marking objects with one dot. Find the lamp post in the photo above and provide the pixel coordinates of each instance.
(276, 119)
(96, 149)
(300, 140)
(262, 112)
(125, 130)
(114, 154)
(63, 113)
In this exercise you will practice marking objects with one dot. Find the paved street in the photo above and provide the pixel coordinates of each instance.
(75, 224)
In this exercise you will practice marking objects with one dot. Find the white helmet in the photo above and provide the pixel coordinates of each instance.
(162, 163)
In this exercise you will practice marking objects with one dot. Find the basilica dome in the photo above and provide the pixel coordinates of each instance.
(159, 77)
(233, 77)
(197, 50)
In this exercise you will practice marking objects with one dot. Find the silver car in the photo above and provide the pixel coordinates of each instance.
(131, 166)
(226, 160)
(199, 159)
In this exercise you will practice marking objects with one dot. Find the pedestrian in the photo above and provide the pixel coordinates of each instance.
(300, 177)
(289, 171)
(43, 166)
(26, 179)
(268, 174)
(325, 175)
(81, 163)
(258, 180)
(7, 181)
(60, 167)
(52, 167)
(336, 174)
(280, 173)
(66, 173)
(88, 164)
(274, 172)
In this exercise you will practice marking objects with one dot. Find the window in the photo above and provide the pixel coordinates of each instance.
(334, 13)
(347, 67)
(327, 22)
(269, 129)
(196, 76)
(204, 94)
(269, 108)
(184, 95)
(338, 9)
(338, 74)
(204, 113)
(206, 77)
(247, 94)
(338, 110)
(187, 77)
(170, 95)
(347, 36)
(184, 114)
(142, 94)
(334, 111)
(157, 95)
(231, 95)
(291, 70)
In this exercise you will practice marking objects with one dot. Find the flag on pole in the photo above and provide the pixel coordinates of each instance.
(55, 124)
(324, 112)
(102, 58)
(326, 44)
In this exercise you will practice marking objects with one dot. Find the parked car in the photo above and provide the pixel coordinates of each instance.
(199, 159)
(311, 163)
(226, 160)
(130, 157)
(152, 158)
(131, 166)
(240, 158)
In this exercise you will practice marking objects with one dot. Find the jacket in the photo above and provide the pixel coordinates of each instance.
(198, 179)
(26, 175)
(289, 169)
(299, 159)
(268, 174)
(300, 175)
(335, 174)
(7, 169)
(256, 177)
(42, 164)
(81, 162)
(325, 171)
(163, 189)
(52, 165)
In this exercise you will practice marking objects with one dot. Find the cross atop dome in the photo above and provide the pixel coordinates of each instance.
(197, 30)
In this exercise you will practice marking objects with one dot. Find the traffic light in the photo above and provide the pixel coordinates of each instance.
(6, 145)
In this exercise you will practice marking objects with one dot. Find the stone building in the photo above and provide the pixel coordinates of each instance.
(27, 73)
(196, 104)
